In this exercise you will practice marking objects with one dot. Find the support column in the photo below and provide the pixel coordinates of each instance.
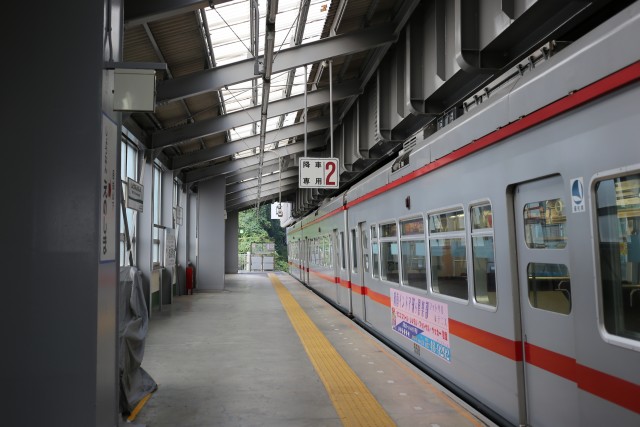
(60, 227)
(231, 243)
(211, 228)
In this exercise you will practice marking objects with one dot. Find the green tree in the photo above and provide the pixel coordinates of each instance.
(260, 228)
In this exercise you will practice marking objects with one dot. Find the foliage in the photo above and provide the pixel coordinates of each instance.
(260, 228)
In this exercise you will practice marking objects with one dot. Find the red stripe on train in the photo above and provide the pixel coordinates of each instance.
(551, 361)
(322, 275)
(361, 290)
(344, 283)
(503, 346)
(605, 386)
(608, 387)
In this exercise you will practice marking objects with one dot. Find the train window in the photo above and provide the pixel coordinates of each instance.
(446, 222)
(412, 227)
(389, 253)
(549, 287)
(481, 217)
(354, 252)
(375, 252)
(388, 230)
(618, 209)
(545, 224)
(412, 247)
(447, 250)
(484, 272)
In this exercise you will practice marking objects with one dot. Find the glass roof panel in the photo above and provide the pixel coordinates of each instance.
(229, 26)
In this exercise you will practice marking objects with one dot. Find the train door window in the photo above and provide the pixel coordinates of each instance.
(389, 268)
(342, 251)
(447, 254)
(549, 287)
(549, 284)
(484, 270)
(365, 249)
(545, 224)
(354, 252)
(412, 249)
(618, 210)
(375, 252)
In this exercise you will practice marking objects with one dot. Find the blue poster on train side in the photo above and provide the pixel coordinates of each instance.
(423, 321)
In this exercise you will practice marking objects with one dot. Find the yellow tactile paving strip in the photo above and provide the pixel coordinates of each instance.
(352, 400)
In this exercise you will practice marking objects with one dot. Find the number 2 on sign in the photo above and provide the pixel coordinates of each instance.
(330, 166)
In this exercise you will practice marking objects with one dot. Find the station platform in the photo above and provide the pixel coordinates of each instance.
(267, 351)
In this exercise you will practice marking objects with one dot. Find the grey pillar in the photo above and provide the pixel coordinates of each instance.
(211, 249)
(231, 243)
(59, 321)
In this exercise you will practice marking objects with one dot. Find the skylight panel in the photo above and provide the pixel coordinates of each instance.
(230, 29)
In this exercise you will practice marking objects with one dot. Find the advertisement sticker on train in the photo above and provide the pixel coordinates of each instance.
(423, 321)
(577, 196)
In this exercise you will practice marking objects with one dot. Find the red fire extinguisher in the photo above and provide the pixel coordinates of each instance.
(189, 281)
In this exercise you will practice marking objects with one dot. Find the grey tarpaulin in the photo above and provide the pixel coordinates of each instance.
(135, 382)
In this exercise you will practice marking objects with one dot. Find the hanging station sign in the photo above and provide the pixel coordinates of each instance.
(318, 173)
(135, 193)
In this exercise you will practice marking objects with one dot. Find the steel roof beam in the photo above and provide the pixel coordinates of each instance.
(265, 188)
(252, 203)
(248, 173)
(267, 195)
(219, 77)
(237, 165)
(276, 177)
(165, 138)
(236, 146)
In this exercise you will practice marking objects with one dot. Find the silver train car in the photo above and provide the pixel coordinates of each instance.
(502, 253)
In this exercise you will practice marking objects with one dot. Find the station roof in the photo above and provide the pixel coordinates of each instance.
(231, 100)
(207, 121)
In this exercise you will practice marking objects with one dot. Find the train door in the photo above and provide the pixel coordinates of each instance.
(363, 246)
(307, 260)
(344, 268)
(335, 261)
(301, 259)
(545, 303)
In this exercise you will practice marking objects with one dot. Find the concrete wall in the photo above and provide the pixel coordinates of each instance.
(59, 319)
(231, 243)
(211, 234)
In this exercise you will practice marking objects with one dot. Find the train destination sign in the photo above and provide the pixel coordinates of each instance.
(318, 173)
